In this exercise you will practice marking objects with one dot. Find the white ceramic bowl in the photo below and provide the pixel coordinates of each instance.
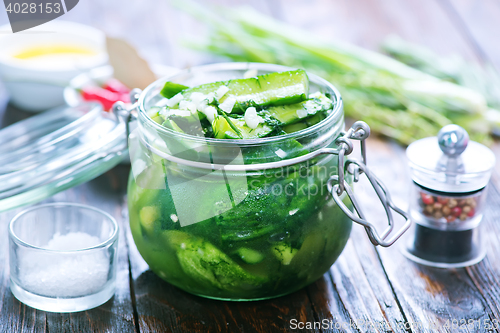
(36, 85)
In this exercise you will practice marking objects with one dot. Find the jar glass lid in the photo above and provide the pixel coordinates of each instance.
(450, 162)
(56, 150)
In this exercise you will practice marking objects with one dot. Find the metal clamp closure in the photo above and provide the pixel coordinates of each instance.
(337, 185)
(124, 114)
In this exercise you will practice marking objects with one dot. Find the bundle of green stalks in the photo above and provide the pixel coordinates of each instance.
(396, 100)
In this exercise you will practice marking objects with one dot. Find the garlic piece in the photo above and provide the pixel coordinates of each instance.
(252, 119)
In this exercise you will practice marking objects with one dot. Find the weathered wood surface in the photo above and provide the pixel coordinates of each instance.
(368, 289)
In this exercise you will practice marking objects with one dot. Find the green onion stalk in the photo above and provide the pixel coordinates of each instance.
(396, 100)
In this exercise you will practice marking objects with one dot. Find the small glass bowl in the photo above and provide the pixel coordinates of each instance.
(63, 257)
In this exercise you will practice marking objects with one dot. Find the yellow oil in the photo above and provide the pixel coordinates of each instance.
(48, 50)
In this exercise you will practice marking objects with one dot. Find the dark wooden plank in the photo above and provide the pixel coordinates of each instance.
(486, 274)
(360, 280)
(416, 296)
(427, 295)
(106, 193)
(328, 306)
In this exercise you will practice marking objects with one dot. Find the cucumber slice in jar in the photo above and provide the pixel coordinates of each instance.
(263, 90)
(222, 129)
(293, 113)
(295, 127)
(154, 114)
(170, 89)
(250, 256)
(208, 265)
(148, 216)
(284, 253)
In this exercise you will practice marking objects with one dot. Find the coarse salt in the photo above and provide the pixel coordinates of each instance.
(69, 274)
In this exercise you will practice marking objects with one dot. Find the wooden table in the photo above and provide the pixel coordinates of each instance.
(368, 289)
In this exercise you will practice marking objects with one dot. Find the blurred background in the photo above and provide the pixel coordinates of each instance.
(452, 40)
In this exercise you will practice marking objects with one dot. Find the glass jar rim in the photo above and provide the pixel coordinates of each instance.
(332, 116)
(111, 239)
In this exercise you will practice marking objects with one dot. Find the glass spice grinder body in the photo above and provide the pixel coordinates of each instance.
(450, 176)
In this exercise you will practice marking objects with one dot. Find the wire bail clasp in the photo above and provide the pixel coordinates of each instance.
(127, 114)
(337, 185)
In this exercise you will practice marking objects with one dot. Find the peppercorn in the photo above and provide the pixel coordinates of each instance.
(429, 209)
(471, 213)
(437, 215)
(456, 211)
(437, 206)
(427, 199)
(443, 200)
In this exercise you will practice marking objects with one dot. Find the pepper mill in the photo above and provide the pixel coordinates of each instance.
(450, 176)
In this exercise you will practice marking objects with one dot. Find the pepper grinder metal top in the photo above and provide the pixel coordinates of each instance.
(450, 162)
(453, 141)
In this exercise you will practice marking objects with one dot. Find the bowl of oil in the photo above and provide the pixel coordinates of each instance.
(37, 64)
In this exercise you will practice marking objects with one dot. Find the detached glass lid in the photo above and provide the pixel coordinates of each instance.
(450, 162)
(56, 150)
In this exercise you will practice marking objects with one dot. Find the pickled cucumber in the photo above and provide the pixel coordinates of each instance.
(268, 89)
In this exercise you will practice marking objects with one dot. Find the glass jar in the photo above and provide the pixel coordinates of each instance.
(238, 219)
